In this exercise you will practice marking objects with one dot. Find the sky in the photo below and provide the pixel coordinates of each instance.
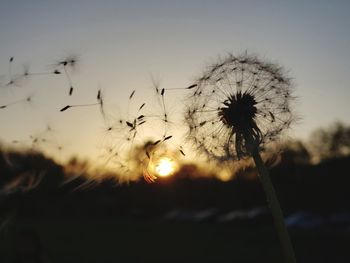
(122, 45)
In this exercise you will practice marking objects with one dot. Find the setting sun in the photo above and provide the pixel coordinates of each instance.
(165, 167)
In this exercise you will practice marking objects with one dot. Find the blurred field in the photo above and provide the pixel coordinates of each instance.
(171, 220)
(97, 240)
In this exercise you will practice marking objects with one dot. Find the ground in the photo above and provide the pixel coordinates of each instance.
(122, 240)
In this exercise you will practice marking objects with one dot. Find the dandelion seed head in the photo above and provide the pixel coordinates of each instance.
(238, 99)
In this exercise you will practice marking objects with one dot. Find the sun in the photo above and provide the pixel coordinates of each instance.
(165, 167)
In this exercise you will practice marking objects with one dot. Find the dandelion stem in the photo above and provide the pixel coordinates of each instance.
(274, 205)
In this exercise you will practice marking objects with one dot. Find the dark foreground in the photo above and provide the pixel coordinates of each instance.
(133, 240)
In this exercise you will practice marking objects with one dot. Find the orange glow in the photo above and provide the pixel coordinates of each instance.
(165, 167)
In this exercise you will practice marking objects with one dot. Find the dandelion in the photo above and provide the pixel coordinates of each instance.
(236, 107)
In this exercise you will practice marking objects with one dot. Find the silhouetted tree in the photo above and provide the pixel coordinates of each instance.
(294, 152)
(330, 142)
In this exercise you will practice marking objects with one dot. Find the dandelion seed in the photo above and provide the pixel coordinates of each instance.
(27, 73)
(100, 103)
(161, 100)
(10, 67)
(132, 94)
(189, 87)
(71, 62)
(70, 90)
(128, 132)
(27, 99)
(65, 108)
(68, 61)
(143, 104)
(156, 142)
(15, 81)
(155, 84)
(192, 86)
(167, 138)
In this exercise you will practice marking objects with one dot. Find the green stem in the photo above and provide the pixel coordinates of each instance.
(274, 205)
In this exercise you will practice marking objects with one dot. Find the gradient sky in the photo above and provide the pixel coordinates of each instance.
(121, 44)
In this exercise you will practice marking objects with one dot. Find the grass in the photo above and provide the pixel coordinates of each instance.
(97, 240)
